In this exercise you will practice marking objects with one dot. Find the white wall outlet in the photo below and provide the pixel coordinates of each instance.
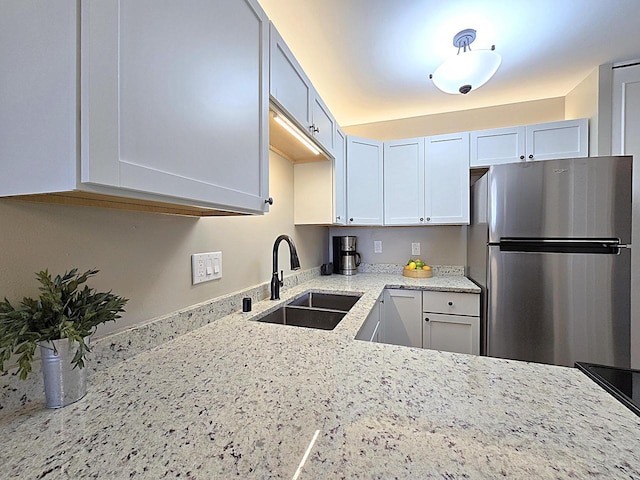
(205, 267)
(377, 246)
(415, 249)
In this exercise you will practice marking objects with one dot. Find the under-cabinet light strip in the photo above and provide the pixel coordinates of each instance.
(294, 131)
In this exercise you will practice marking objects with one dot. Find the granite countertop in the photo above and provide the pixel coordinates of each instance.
(239, 398)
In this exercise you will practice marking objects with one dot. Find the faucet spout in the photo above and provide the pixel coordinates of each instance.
(276, 282)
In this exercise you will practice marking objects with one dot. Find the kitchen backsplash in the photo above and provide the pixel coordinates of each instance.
(397, 268)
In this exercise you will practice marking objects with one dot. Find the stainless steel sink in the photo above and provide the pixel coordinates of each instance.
(313, 310)
(304, 317)
(332, 301)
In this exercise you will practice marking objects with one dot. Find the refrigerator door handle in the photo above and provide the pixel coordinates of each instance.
(606, 246)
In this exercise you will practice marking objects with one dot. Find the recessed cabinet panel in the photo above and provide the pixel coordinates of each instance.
(554, 140)
(288, 83)
(404, 182)
(402, 318)
(364, 181)
(322, 124)
(497, 146)
(451, 333)
(447, 179)
(176, 101)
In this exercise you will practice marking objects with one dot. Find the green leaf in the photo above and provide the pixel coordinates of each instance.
(63, 310)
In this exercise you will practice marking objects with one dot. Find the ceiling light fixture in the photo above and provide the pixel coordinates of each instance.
(293, 130)
(468, 70)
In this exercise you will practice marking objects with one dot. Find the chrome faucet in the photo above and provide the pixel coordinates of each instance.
(276, 282)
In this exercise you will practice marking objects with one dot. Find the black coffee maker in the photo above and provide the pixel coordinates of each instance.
(345, 257)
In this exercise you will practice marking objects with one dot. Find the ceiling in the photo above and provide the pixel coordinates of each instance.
(370, 59)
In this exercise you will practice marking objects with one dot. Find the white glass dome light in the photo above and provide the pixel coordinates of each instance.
(468, 70)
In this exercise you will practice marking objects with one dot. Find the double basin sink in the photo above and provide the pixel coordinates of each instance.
(313, 310)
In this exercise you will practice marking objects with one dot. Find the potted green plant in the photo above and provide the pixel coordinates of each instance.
(60, 321)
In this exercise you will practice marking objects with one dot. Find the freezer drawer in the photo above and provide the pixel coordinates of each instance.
(559, 308)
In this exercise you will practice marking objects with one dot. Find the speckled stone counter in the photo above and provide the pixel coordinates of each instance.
(243, 399)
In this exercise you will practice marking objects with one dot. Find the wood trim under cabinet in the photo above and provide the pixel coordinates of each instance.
(89, 199)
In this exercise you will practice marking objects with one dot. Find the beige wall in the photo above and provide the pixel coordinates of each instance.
(524, 113)
(443, 245)
(147, 257)
(591, 99)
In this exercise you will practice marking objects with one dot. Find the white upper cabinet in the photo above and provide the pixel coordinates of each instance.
(447, 179)
(292, 90)
(404, 182)
(288, 84)
(364, 181)
(544, 141)
(322, 123)
(173, 104)
(497, 146)
(176, 103)
(565, 139)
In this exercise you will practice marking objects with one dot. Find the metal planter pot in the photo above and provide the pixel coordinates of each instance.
(63, 383)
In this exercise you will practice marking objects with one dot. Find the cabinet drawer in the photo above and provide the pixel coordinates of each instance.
(451, 303)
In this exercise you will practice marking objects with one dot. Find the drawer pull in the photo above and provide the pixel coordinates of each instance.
(451, 304)
(426, 319)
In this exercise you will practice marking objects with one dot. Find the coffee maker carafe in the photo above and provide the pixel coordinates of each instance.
(345, 257)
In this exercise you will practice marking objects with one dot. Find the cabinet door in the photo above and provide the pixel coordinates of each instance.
(288, 84)
(553, 140)
(447, 179)
(497, 146)
(340, 180)
(626, 111)
(371, 327)
(364, 181)
(404, 182)
(401, 317)
(451, 333)
(176, 102)
(322, 123)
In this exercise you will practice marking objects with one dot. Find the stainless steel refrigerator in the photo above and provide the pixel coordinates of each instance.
(549, 244)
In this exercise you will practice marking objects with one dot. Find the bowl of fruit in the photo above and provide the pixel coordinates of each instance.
(417, 269)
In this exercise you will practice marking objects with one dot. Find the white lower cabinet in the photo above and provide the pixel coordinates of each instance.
(402, 317)
(371, 330)
(451, 322)
(446, 321)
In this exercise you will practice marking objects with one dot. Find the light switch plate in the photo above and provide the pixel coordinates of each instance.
(206, 267)
(377, 246)
(415, 249)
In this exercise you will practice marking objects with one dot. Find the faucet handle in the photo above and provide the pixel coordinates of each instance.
(281, 278)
